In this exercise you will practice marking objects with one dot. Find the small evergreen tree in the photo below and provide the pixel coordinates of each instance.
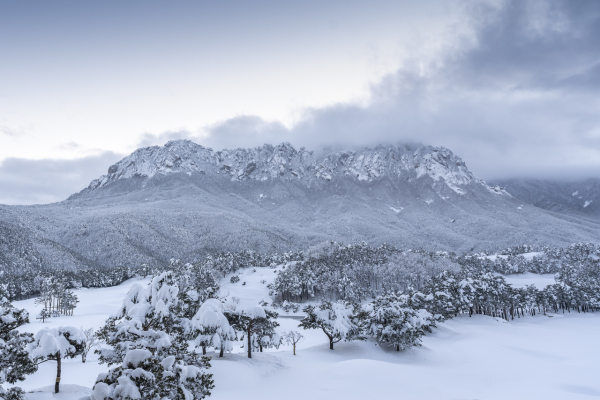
(14, 358)
(251, 321)
(144, 376)
(210, 328)
(43, 315)
(55, 344)
(336, 320)
(391, 320)
(149, 329)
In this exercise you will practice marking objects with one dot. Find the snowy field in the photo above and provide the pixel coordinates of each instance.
(539, 357)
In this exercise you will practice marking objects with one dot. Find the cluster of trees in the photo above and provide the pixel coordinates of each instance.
(29, 282)
(358, 262)
(162, 331)
(22, 352)
(56, 298)
(540, 260)
(400, 318)
(356, 272)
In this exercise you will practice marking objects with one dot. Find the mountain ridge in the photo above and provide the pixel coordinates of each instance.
(183, 201)
(283, 161)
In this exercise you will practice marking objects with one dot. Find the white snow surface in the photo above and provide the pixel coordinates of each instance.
(587, 203)
(541, 357)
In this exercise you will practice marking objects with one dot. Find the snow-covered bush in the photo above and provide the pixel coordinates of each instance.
(14, 358)
(290, 306)
(393, 321)
(337, 320)
(234, 279)
(55, 344)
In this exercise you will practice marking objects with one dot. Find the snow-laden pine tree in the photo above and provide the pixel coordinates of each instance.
(43, 315)
(56, 344)
(147, 319)
(442, 296)
(196, 284)
(253, 321)
(337, 320)
(149, 347)
(392, 320)
(143, 376)
(14, 358)
(210, 328)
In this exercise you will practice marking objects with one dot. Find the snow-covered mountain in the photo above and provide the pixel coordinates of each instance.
(580, 197)
(182, 200)
(285, 163)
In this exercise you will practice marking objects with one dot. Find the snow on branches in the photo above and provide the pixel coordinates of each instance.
(337, 320)
(14, 358)
(55, 344)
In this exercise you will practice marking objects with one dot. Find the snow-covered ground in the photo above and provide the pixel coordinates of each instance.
(527, 256)
(540, 281)
(541, 357)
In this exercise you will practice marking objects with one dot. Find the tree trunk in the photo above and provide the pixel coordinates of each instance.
(203, 350)
(221, 352)
(330, 344)
(249, 344)
(260, 346)
(57, 374)
(83, 355)
(294, 348)
(397, 347)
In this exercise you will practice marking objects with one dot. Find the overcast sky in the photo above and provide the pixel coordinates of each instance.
(512, 87)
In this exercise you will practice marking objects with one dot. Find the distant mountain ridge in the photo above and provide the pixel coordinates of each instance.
(183, 200)
(284, 162)
(578, 197)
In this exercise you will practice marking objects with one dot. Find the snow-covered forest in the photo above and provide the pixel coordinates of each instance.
(159, 341)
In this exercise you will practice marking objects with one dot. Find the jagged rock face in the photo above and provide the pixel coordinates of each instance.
(182, 200)
(284, 162)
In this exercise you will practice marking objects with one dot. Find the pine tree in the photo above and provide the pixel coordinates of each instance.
(55, 344)
(392, 320)
(252, 321)
(43, 315)
(144, 376)
(336, 320)
(210, 328)
(14, 358)
(149, 330)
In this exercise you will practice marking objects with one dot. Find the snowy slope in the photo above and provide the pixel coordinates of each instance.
(479, 357)
(182, 200)
(578, 197)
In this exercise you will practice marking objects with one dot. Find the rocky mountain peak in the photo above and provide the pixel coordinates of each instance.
(284, 162)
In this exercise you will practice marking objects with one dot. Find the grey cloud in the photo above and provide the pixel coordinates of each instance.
(148, 139)
(24, 181)
(517, 100)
